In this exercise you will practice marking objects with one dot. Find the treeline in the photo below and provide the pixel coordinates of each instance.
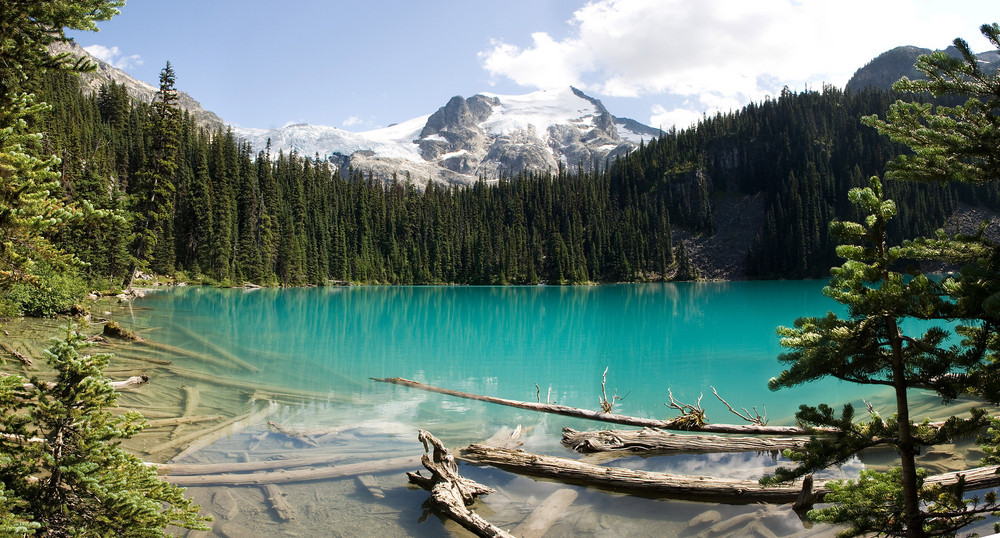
(239, 214)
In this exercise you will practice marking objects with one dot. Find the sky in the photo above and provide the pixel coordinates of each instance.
(360, 65)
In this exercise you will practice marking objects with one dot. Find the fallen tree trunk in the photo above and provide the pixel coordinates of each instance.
(276, 498)
(541, 519)
(298, 475)
(21, 357)
(174, 421)
(198, 438)
(632, 481)
(131, 383)
(222, 355)
(803, 493)
(975, 478)
(610, 417)
(452, 493)
(649, 440)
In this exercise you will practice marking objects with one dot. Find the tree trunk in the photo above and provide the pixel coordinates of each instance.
(905, 445)
(610, 417)
(633, 481)
(450, 492)
(649, 440)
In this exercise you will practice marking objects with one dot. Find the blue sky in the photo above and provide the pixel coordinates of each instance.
(365, 64)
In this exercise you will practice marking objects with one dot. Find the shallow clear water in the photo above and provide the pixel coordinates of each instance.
(502, 341)
(314, 351)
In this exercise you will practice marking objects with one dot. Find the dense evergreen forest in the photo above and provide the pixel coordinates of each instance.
(228, 213)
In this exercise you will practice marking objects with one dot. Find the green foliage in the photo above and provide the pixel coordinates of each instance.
(960, 143)
(53, 292)
(30, 214)
(60, 460)
(870, 347)
(870, 506)
(881, 288)
(28, 28)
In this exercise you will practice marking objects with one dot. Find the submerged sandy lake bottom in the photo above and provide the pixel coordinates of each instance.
(285, 374)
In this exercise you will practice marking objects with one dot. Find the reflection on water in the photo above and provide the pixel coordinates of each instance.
(302, 359)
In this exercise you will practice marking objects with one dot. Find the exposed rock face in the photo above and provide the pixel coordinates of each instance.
(489, 135)
(91, 83)
(452, 136)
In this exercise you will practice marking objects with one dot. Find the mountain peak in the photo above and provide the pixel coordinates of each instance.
(482, 136)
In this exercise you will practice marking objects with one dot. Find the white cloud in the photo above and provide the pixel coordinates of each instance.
(113, 56)
(721, 54)
(682, 118)
(352, 121)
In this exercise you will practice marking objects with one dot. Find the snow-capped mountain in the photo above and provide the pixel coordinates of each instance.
(485, 135)
(482, 136)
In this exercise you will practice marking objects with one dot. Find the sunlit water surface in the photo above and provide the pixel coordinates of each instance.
(303, 358)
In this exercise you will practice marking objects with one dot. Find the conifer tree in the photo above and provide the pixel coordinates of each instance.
(871, 347)
(29, 215)
(153, 191)
(75, 479)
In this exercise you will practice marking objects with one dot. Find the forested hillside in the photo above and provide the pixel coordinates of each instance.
(233, 214)
(802, 153)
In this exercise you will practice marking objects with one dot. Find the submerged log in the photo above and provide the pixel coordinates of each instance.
(450, 492)
(196, 440)
(649, 440)
(368, 482)
(131, 383)
(276, 498)
(198, 469)
(609, 417)
(298, 475)
(175, 421)
(546, 514)
(21, 357)
(632, 481)
(223, 354)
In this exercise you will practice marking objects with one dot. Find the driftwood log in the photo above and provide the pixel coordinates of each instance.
(632, 481)
(21, 357)
(452, 493)
(803, 493)
(546, 514)
(297, 475)
(276, 498)
(649, 440)
(131, 383)
(609, 417)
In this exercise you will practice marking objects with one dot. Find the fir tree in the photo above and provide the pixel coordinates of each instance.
(871, 347)
(61, 463)
(29, 214)
(153, 189)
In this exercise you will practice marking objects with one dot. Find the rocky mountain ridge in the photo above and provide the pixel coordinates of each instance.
(91, 83)
(886, 68)
(483, 136)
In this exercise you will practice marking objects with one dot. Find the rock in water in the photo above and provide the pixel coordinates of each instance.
(224, 504)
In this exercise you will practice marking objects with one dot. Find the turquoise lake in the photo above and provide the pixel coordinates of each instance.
(502, 341)
(313, 351)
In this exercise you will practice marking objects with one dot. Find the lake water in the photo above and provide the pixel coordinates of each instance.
(302, 359)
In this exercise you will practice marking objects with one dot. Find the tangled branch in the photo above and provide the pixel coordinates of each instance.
(755, 419)
(690, 415)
